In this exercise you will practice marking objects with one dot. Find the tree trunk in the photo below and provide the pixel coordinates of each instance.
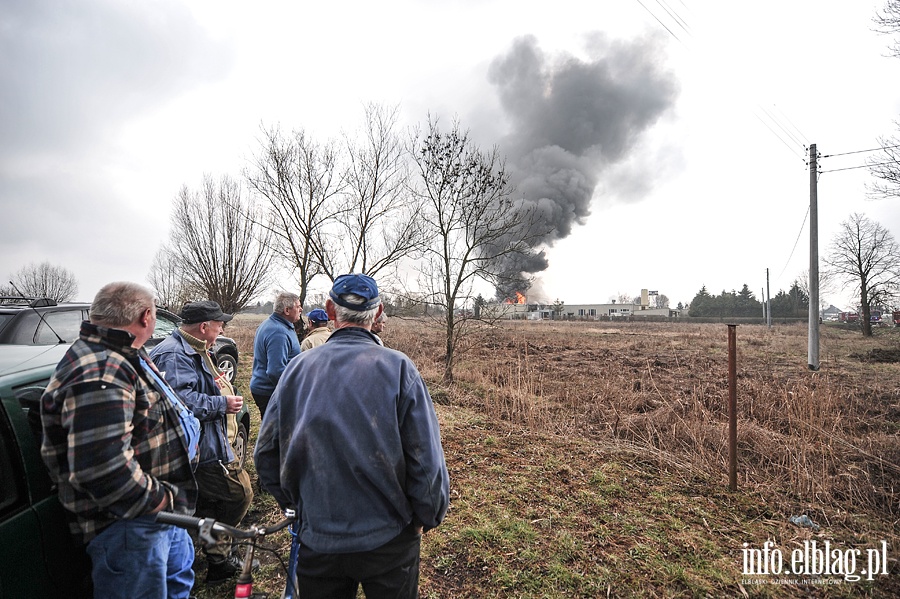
(448, 359)
(865, 312)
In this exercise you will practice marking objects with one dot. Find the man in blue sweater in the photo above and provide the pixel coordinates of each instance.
(275, 344)
(351, 441)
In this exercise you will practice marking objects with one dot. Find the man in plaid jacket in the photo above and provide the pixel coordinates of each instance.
(121, 447)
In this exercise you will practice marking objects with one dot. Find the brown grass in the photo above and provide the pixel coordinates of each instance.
(590, 458)
(826, 437)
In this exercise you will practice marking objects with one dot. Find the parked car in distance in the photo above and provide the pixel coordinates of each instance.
(39, 556)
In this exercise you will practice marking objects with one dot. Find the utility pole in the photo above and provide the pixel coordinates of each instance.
(813, 361)
(763, 296)
(768, 301)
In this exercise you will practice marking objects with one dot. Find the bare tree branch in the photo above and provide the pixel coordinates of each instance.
(470, 224)
(173, 287)
(885, 168)
(46, 280)
(887, 22)
(298, 179)
(221, 251)
(379, 223)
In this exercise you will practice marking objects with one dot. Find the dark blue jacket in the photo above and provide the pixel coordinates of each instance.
(351, 440)
(274, 346)
(186, 371)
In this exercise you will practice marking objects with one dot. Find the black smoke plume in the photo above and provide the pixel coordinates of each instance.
(571, 121)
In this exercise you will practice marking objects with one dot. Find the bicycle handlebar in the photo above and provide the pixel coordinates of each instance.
(207, 526)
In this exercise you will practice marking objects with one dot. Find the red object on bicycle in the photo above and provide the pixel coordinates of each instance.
(243, 591)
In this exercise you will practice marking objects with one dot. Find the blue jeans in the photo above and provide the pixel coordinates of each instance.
(141, 559)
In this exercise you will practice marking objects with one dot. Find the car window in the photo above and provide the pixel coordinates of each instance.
(164, 326)
(4, 318)
(64, 323)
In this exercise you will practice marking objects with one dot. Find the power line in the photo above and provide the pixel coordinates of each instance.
(783, 128)
(675, 16)
(795, 245)
(862, 151)
(781, 139)
(661, 23)
(850, 168)
(800, 133)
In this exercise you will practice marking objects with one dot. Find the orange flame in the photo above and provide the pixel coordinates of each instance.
(520, 299)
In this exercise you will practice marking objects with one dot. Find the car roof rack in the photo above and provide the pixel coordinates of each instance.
(31, 302)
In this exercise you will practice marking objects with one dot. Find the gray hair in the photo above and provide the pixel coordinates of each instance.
(283, 301)
(120, 304)
(358, 317)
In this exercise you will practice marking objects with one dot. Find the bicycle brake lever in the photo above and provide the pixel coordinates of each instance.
(205, 532)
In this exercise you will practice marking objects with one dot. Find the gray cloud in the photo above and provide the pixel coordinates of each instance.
(71, 75)
(575, 124)
(72, 71)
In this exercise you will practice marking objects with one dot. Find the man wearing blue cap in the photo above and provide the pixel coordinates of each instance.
(318, 321)
(351, 441)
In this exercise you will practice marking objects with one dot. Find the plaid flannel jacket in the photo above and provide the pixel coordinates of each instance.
(112, 440)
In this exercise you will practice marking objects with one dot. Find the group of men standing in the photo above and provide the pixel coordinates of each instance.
(349, 439)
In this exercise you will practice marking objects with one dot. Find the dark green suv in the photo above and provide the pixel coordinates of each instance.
(38, 554)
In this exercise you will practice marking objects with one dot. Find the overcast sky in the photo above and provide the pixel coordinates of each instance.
(681, 141)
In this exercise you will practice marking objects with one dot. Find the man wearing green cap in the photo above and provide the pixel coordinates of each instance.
(351, 441)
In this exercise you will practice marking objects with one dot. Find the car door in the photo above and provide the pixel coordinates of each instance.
(40, 558)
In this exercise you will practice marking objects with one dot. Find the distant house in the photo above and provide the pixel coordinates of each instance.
(831, 313)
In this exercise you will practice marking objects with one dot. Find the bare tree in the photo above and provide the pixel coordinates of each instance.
(45, 280)
(827, 285)
(864, 254)
(470, 224)
(887, 21)
(885, 168)
(173, 287)
(379, 222)
(299, 180)
(217, 244)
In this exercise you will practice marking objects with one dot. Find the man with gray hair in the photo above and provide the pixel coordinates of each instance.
(225, 490)
(351, 441)
(275, 344)
(120, 446)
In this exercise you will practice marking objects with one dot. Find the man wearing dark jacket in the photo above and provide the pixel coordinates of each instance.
(351, 441)
(224, 486)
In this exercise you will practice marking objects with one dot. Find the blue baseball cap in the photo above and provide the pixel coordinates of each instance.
(318, 315)
(362, 285)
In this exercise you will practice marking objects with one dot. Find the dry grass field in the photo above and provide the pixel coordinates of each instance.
(589, 459)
